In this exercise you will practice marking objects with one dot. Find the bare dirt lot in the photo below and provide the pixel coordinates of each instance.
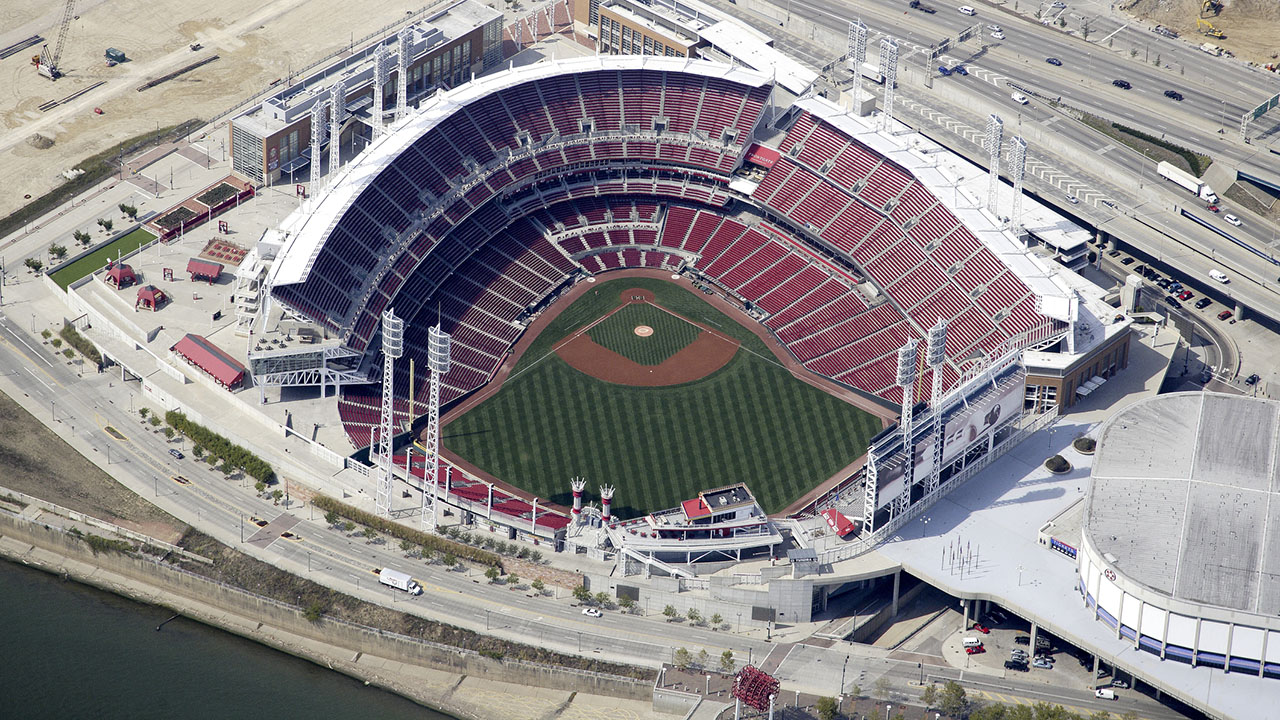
(1252, 27)
(37, 462)
(257, 41)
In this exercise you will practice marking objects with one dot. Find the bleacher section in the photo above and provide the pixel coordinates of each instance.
(587, 173)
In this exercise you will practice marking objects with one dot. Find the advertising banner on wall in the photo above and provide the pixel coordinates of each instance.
(966, 427)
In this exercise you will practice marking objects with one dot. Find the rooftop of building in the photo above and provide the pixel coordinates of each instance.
(1185, 498)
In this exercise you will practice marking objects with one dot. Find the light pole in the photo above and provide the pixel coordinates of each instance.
(842, 669)
(924, 526)
(1019, 576)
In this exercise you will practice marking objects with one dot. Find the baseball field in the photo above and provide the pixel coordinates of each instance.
(747, 420)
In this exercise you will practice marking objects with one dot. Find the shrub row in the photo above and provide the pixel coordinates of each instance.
(98, 544)
(228, 452)
(396, 530)
(1197, 162)
(488, 542)
(81, 343)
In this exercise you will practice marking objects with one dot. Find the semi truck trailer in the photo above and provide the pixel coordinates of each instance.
(1188, 181)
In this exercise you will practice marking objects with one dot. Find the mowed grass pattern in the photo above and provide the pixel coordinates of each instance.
(618, 333)
(750, 421)
(98, 258)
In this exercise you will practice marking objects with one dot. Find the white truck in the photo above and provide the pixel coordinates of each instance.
(1188, 181)
(399, 581)
(867, 70)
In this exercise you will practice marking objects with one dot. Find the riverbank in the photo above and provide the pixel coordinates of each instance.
(448, 679)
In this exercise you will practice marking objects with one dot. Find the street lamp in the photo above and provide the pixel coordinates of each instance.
(924, 526)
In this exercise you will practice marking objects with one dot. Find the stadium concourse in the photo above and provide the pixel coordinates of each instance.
(492, 198)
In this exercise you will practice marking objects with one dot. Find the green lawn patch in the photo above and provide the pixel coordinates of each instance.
(670, 334)
(750, 421)
(98, 258)
(1157, 149)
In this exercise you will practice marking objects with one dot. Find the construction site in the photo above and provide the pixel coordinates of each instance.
(1247, 29)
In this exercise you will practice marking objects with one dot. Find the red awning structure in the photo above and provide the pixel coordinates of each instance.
(838, 523)
(210, 358)
(763, 156)
(695, 508)
(204, 270)
(150, 297)
(120, 275)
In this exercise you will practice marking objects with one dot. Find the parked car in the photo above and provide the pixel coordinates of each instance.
(982, 628)
(1224, 315)
(1172, 301)
(1205, 377)
(1173, 95)
(1015, 665)
(1022, 639)
(1203, 303)
(1232, 219)
(1114, 253)
(1042, 664)
(1127, 261)
(1162, 283)
(1186, 295)
(1252, 379)
(1122, 84)
(1120, 684)
(592, 612)
(1141, 270)
(975, 650)
(1058, 5)
(177, 454)
(1054, 61)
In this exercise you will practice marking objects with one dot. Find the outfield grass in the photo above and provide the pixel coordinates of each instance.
(750, 421)
(605, 296)
(98, 258)
(618, 333)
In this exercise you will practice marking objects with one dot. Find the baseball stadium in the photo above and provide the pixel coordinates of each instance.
(664, 274)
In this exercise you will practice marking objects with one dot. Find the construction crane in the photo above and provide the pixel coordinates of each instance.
(1206, 28)
(47, 61)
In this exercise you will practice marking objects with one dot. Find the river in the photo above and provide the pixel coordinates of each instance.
(71, 651)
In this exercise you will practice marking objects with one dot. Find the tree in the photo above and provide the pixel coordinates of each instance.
(670, 612)
(155, 421)
(82, 237)
(331, 517)
(370, 534)
(703, 657)
(449, 559)
(626, 602)
(492, 573)
(683, 658)
(348, 526)
(259, 486)
(727, 663)
(929, 696)
(105, 223)
(168, 432)
(513, 580)
(693, 615)
(827, 708)
(58, 251)
(33, 263)
(407, 545)
(855, 691)
(952, 699)
(602, 599)
(314, 612)
(581, 593)
(883, 688)
(538, 586)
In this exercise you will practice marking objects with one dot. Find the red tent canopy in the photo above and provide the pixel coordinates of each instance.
(121, 275)
(211, 359)
(840, 524)
(203, 269)
(151, 296)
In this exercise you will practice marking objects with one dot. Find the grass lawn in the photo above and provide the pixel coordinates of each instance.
(750, 421)
(98, 258)
(670, 334)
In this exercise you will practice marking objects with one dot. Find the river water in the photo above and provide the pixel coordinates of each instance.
(70, 651)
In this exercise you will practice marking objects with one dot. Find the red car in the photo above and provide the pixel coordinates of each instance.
(1186, 295)
(982, 628)
(1224, 315)
(1214, 208)
(975, 650)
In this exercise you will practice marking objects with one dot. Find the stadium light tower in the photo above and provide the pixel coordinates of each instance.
(318, 133)
(438, 345)
(337, 108)
(907, 357)
(995, 140)
(392, 348)
(379, 86)
(888, 68)
(402, 81)
(1018, 159)
(871, 482)
(857, 52)
(936, 355)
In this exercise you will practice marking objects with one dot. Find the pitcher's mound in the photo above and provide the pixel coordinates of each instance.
(644, 330)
